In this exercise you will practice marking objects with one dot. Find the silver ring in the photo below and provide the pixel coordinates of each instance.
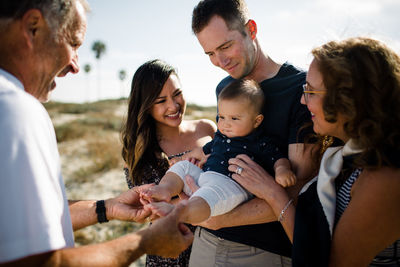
(239, 170)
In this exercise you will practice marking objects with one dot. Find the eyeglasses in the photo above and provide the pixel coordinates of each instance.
(309, 93)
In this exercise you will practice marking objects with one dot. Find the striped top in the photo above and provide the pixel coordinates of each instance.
(343, 195)
(389, 256)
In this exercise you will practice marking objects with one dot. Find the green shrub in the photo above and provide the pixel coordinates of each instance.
(103, 154)
(89, 126)
(69, 131)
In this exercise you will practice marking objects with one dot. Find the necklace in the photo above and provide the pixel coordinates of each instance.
(179, 154)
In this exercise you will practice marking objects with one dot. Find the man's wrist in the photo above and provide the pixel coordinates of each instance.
(101, 211)
(144, 235)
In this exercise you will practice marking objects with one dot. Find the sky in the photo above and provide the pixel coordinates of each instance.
(136, 31)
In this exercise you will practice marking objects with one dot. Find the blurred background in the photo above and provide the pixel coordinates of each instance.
(128, 33)
(88, 137)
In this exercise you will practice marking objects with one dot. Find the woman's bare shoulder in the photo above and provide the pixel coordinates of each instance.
(385, 178)
(371, 222)
(388, 174)
(204, 126)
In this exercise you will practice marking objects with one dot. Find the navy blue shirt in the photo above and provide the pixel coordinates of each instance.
(284, 116)
(256, 145)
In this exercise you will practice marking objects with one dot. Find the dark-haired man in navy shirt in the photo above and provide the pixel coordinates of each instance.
(249, 235)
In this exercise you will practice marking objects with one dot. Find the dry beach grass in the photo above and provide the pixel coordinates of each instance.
(88, 137)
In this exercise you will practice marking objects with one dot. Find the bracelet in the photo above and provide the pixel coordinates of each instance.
(281, 218)
(101, 211)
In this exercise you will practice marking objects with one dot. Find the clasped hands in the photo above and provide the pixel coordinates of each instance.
(159, 205)
(129, 207)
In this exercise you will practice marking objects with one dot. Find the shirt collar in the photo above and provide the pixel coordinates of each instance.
(12, 79)
(254, 134)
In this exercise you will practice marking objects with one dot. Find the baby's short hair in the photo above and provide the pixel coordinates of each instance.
(243, 88)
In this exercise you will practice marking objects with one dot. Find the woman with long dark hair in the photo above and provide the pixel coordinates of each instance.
(155, 132)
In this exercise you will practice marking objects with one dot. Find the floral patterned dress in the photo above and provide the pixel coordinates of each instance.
(154, 175)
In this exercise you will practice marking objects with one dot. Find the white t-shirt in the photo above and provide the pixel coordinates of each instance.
(34, 213)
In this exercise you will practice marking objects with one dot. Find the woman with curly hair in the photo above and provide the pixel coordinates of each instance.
(349, 215)
(155, 132)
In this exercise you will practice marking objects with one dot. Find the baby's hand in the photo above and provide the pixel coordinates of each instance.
(285, 177)
(159, 209)
(196, 154)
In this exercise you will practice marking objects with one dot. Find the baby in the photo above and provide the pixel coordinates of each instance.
(239, 116)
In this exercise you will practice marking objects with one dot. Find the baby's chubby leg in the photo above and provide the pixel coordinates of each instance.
(170, 185)
(197, 210)
(183, 168)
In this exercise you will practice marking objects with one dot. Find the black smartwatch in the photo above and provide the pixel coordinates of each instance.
(101, 211)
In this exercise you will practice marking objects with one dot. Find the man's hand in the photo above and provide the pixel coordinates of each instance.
(127, 206)
(168, 237)
(191, 184)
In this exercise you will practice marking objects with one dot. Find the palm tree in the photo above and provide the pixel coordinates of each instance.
(87, 68)
(122, 76)
(99, 48)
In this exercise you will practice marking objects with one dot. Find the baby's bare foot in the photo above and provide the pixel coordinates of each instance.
(159, 209)
(157, 193)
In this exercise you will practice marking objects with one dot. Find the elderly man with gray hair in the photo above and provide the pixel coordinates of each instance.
(39, 40)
